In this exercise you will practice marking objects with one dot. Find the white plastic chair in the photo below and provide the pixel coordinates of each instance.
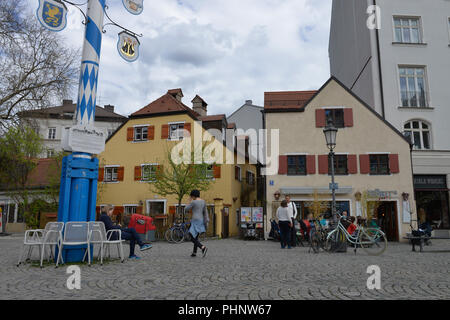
(31, 239)
(98, 235)
(75, 233)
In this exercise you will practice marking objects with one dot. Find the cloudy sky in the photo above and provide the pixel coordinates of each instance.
(226, 51)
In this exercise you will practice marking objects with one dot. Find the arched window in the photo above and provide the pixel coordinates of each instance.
(420, 133)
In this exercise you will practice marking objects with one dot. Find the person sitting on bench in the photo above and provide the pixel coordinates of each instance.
(127, 233)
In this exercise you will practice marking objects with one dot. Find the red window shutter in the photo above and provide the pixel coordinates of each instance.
(364, 163)
(130, 134)
(282, 165)
(137, 173)
(120, 173)
(323, 163)
(310, 164)
(139, 209)
(352, 164)
(320, 118)
(151, 133)
(187, 127)
(165, 131)
(101, 171)
(393, 163)
(172, 209)
(348, 117)
(216, 170)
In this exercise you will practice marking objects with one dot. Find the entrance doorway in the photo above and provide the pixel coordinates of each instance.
(225, 222)
(387, 219)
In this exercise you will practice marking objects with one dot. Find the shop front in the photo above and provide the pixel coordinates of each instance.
(432, 198)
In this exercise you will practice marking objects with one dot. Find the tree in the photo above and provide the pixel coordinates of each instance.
(19, 148)
(318, 205)
(180, 179)
(36, 66)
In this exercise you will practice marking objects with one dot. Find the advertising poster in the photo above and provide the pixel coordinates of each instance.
(246, 215)
(257, 214)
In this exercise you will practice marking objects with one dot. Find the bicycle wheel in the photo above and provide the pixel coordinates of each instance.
(314, 241)
(335, 241)
(168, 235)
(373, 241)
(177, 235)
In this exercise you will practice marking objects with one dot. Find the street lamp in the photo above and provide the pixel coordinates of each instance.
(330, 133)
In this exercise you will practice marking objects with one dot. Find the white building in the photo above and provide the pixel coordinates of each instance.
(402, 70)
(50, 122)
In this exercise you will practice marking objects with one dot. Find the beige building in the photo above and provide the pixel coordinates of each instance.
(372, 159)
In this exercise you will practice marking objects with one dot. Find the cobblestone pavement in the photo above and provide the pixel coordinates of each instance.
(236, 269)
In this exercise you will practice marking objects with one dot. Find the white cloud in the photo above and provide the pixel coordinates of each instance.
(225, 51)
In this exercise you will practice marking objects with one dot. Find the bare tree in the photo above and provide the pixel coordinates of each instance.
(36, 67)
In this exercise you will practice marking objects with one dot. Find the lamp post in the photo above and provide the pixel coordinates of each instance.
(330, 133)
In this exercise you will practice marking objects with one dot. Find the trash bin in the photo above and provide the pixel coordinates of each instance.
(144, 227)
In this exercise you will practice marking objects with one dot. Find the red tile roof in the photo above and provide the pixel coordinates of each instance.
(215, 117)
(231, 125)
(165, 104)
(287, 99)
(45, 172)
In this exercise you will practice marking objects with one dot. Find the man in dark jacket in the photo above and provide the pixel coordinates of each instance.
(127, 233)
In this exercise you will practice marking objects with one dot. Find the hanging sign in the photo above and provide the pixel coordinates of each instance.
(80, 138)
(128, 46)
(134, 6)
(52, 14)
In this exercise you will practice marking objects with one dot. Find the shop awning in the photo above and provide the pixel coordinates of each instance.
(309, 190)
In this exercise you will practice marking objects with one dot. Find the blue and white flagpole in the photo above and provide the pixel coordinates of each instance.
(78, 191)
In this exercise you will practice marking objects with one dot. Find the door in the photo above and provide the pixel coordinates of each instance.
(387, 219)
(225, 222)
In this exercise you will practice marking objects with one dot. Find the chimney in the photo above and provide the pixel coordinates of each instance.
(67, 102)
(109, 108)
(199, 105)
(176, 93)
(249, 102)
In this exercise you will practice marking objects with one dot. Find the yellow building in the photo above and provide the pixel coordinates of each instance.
(140, 147)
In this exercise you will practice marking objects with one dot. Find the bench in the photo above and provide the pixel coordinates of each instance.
(421, 240)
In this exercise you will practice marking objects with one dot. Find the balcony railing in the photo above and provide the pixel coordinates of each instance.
(414, 99)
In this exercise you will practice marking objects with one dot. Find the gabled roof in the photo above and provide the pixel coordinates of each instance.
(65, 110)
(164, 105)
(244, 106)
(312, 96)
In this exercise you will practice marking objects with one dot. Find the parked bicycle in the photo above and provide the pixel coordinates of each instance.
(318, 234)
(371, 239)
(179, 233)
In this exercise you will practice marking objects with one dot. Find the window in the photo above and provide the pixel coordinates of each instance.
(176, 131)
(237, 173)
(412, 87)
(419, 132)
(140, 133)
(51, 133)
(50, 153)
(379, 164)
(340, 164)
(149, 172)
(111, 174)
(156, 207)
(130, 209)
(336, 116)
(407, 30)
(296, 165)
(250, 178)
(208, 171)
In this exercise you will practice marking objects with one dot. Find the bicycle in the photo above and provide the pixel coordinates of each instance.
(178, 233)
(371, 239)
(318, 235)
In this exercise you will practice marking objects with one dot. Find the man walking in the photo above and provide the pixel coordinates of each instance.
(293, 212)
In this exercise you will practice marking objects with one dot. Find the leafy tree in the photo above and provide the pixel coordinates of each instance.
(180, 179)
(36, 66)
(19, 148)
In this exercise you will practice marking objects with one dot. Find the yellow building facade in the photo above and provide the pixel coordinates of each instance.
(140, 147)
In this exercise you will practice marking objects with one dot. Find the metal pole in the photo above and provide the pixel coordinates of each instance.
(333, 190)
